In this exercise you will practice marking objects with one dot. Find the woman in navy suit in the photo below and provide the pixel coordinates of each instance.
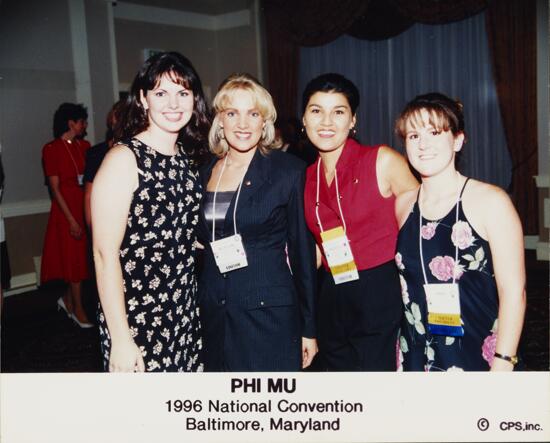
(257, 287)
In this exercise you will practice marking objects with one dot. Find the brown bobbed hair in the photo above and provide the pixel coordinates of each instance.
(445, 114)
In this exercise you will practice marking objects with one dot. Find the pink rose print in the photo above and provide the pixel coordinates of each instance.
(443, 268)
(489, 347)
(462, 235)
(428, 231)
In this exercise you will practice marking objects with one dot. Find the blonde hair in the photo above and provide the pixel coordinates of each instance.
(264, 103)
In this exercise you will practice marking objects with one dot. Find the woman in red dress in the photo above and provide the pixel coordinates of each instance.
(65, 246)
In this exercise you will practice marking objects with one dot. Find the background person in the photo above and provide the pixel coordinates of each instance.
(95, 155)
(349, 204)
(455, 231)
(257, 307)
(65, 246)
(145, 204)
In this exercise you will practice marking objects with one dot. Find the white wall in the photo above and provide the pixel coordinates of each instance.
(217, 45)
(40, 70)
(37, 75)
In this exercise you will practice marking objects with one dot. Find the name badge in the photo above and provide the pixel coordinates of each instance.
(339, 256)
(229, 253)
(443, 302)
(80, 179)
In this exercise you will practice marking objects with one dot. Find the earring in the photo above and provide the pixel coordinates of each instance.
(303, 130)
(263, 133)
(353, 131)
(221, 134)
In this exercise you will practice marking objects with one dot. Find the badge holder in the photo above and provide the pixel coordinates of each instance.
(443, 301)
(339, 256)
(336, 244)
(228, 252)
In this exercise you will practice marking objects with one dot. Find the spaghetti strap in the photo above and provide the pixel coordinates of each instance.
(464, 187)
(418, 194)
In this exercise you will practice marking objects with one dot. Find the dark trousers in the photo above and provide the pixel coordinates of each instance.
(358, 321)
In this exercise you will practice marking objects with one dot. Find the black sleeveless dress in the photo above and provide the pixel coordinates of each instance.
(418, 349)
(157, 256)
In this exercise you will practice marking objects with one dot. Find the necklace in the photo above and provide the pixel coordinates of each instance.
(66, 144)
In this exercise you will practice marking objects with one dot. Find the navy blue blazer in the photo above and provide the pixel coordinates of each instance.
(253, 318)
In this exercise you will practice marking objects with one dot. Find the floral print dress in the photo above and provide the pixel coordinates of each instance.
(417, 349)
(158, 264)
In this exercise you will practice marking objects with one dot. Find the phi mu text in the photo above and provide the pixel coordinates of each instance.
(287, 385)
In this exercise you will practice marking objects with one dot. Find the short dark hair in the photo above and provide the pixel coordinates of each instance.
(66, 112)
(447, 112)
(332, 82)
(133, 118)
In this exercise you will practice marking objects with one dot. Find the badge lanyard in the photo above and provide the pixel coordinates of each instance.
(335, 241)
(228, 252)
(443, 299)
(79, 177)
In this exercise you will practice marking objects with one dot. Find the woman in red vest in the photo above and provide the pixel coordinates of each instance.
(349, 203)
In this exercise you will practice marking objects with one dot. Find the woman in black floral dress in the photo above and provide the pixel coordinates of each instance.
(145, 206)
(460, 253)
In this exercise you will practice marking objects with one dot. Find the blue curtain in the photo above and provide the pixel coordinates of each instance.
(453, 59)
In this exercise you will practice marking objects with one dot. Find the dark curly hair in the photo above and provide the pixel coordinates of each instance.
(66, 112)
(133, 118)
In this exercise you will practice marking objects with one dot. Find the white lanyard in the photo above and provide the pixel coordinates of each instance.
(71, 155)
(214, 202)
(458, 198)
(337, 196)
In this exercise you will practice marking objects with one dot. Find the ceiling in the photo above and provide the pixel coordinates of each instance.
(211, 7)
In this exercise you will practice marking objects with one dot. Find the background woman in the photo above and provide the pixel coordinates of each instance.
(94, 157)
(65, 246)
(349, 203)
(256, 306)
(461, 234)
(145, 203)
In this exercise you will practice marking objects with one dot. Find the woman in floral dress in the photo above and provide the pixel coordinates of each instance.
(460, 253)
(145, 203)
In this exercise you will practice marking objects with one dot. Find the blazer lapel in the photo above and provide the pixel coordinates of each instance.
(257, 174)
(205, 174)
